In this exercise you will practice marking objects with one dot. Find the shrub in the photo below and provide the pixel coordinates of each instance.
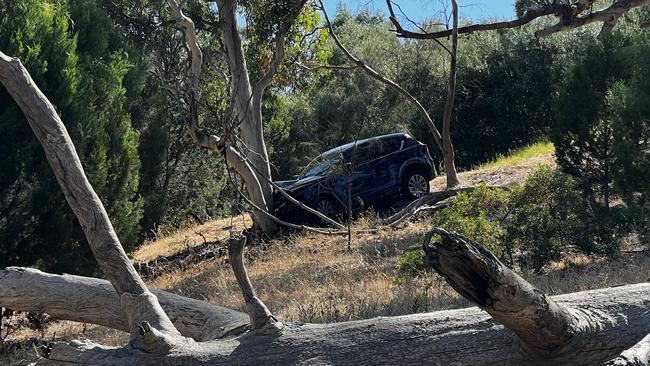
(548, 216)
(479, 216)
(410, 264)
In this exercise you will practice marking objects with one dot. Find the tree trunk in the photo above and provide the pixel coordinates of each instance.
(516, 326)
(91, 300)
(248, 109)
(617, 318)
(447, 146)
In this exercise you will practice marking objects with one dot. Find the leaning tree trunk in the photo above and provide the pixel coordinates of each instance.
(139, 304)
(248, 108)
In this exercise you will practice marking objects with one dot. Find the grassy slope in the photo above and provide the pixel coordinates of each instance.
(313, 278)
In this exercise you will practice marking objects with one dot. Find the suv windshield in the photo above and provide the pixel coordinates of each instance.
(319, 165)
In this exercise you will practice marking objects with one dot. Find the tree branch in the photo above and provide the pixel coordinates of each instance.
(570, 17)
(260, 316)
(370, 71)
(607, 16)
(544, 326)
(278, 57)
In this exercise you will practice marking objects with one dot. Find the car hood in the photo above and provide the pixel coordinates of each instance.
(295, 184)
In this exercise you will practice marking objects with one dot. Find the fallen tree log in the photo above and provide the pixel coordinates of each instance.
(620, 317)
(91, 300)
(453, 337)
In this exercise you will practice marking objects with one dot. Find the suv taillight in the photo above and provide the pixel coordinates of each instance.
(425, 148)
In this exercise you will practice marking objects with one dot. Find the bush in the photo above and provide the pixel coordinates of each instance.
(548, 217)
(410, 264)
(535, 223)
(479, 216)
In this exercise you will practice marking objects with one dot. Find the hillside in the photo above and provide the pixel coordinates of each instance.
(311, 277)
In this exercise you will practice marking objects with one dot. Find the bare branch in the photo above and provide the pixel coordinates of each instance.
(569, 19)
(544, 326)
(447, 145)
(260, 316)
(92, 300)
(608, 16)
(278, 57)
(370, 71)
(328, 67)
(80, 195)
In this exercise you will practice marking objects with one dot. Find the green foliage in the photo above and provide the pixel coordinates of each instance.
(86, 86)
(531, 225)
(478, 216)
(505, 80)
(602, 129)
(410, 264)
(548, 217)
(522, 6)
(582, 133)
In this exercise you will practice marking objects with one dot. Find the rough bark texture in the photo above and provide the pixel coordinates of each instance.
(80, 195)
(637, 355)
(91, 300)
(543, 325)
(454, 337)
(609, 321)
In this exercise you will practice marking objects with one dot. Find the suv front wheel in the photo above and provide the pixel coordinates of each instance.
(415, 184)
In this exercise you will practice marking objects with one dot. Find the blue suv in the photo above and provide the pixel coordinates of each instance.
(357, 174)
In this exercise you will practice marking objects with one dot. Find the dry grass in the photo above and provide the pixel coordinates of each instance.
(506, 170)
(172, 243)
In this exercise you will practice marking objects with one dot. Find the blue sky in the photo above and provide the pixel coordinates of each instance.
(470, 10)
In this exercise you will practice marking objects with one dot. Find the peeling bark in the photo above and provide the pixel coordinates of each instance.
(91, 300)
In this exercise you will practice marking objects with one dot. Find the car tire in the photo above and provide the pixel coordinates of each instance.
(328, 206)
(415, 184)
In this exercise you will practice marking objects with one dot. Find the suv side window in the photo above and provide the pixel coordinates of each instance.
(390, 145)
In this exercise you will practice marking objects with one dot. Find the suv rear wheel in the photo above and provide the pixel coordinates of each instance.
(415, 184)
(328, 206)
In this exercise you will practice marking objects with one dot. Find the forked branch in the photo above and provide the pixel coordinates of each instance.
(570, 16)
